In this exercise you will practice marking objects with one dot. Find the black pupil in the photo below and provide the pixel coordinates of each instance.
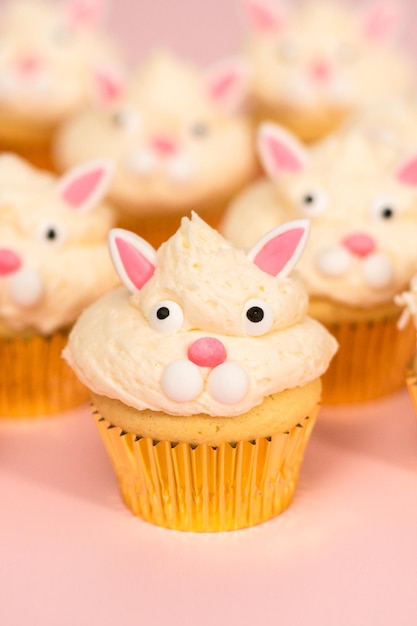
(255, 314)
(51, 234)
(162, 313)
(387, 212)
(120, 118)
(199, 129)
(309, 199)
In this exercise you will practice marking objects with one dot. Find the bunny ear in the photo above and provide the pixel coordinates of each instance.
(86, 13)
(227, 82)
(279, 250)
(264, 16)
(381, 21)
(407, 172)
(280, 151)
(84, 186)
(133, 258)
(109, 84)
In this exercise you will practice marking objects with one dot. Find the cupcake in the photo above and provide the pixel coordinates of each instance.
(205, 375)
(408, 300)
(360, 196)
(179, 141)
(54, 56)
(314, 65)
(53, 262)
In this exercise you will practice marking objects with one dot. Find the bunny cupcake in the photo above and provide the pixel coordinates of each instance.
(177, 138)
(52, 57)
(408, 300)
(53, 262)
(314, 65)
(361, 198)
(205, 373)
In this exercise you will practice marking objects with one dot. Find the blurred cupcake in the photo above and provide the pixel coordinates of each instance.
(314, 65)
(205, 374)
(177, 138)
(408, 299)
(53, 262)
(51, 56)
(361, 198)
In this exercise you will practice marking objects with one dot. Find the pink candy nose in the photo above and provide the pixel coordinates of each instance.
(9, 261)
(320, 70)
(359, 244)
(207, 352)
(163, 145)
(28, 65)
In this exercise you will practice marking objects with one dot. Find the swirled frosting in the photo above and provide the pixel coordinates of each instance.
(205, 330)
(53, 249)
(175, 133)
(360, 194)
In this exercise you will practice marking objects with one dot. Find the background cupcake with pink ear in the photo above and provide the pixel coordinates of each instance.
(361, 197)
(179, 139)
(53, 263)
(314, 64)
(51, 55)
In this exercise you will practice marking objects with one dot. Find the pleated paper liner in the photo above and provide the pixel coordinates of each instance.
(206, 488)
(371, 361)
(411, 379)
(34, 378)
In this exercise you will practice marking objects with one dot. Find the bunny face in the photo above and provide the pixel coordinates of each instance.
(206, 329)
(49, 57)
(363, 208)
(322, 57)
(53, 256)
(172, 133)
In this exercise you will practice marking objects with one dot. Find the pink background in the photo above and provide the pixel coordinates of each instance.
(344, 554)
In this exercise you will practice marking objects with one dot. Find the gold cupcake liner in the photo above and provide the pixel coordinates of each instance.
(206, 488)
(156, 228)
(371, 361)
(34, 379)
(411, 380)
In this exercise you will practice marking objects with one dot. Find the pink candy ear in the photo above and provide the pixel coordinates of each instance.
(227, 83)
(280, 151)
(134, 258)
(382, 20)
(263, 16)
(407, 172)
(279, 250)
(86, 13)
(84, 186)
(109, 85)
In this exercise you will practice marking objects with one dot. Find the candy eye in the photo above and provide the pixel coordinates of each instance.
(51, 233)
(313, 202)
(199, 130)
(287, 51)
(166, 316)
(383, 209)
(126, 119)
(257, 317)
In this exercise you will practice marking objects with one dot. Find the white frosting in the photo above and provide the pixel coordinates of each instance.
(167, 103)
(45, 283)
(117, 352)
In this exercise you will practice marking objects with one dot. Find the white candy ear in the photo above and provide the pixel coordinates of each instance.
(279, 250)
(108, 84)
(382, 20)
(264, 16)
(407, 172)
(134, 258)
(86, 13)
(227, 83)
(280, 151)
(84, 186)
